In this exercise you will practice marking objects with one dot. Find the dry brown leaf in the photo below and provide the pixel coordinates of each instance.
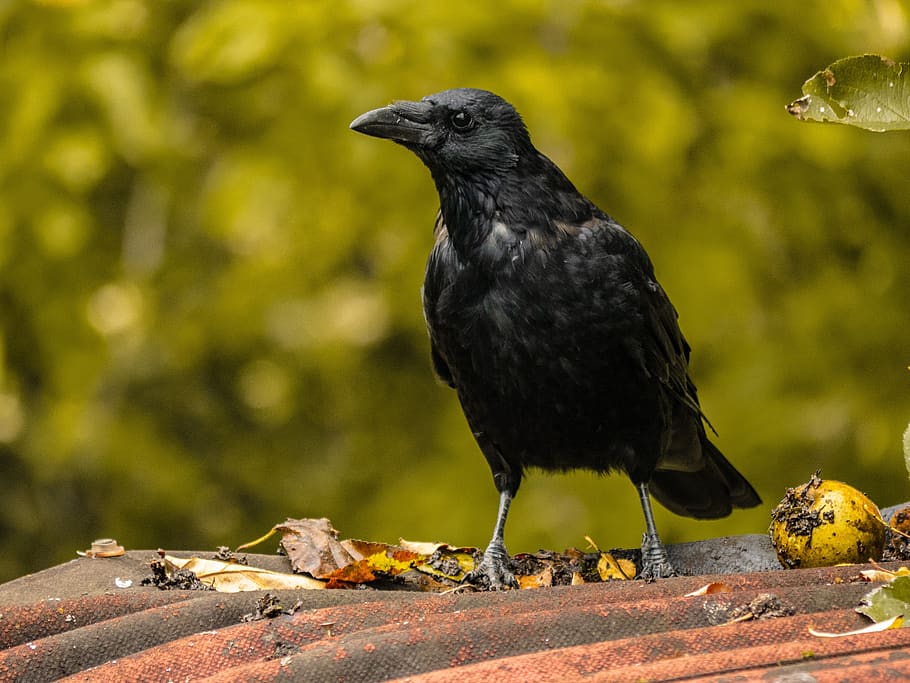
(313, 547)
(231, 577)
(362, 549)
(422, 547)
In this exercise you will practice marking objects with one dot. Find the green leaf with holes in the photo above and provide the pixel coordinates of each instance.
(871, 92)
(888, 601)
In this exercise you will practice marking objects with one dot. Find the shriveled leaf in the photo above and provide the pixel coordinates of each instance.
(880, 575)
(359, 550)
(450, 564)
(888, 601)
(392, 560)
(422, 547)
(894, 622)
(577, 579)
(388, 561)
(441, 559)
(710, 588)
(354, 573)
(231, 577)
(313, 547)
(574, 554)
(610, 568)
(870, 91)
(544, 578)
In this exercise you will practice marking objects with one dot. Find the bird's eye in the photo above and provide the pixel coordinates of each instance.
(462, 121)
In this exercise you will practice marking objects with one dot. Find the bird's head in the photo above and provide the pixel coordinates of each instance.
(460, 132)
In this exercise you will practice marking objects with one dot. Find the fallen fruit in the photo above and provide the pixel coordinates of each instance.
(823, 523)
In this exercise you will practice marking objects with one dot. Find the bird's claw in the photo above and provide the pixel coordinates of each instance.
(655, 564)
(493, 573)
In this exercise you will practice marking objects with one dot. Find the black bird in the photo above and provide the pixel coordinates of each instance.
(545, 316)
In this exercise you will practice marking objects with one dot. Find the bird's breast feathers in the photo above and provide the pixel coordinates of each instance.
(530, 293)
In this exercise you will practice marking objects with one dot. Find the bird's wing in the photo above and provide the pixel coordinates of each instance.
(658, 345)
(668, 357)
(435, 281)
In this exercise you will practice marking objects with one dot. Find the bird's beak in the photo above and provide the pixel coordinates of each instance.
(404, 122)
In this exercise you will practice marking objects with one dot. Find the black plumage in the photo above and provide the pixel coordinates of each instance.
(545, 316)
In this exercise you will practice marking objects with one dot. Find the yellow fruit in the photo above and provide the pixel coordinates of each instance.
(823, 523)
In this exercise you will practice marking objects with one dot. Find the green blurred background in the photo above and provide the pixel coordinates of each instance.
(209, 309)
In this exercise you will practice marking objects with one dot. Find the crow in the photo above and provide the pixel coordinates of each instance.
(546, 318)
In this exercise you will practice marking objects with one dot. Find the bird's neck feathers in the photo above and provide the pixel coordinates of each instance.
(533, 196)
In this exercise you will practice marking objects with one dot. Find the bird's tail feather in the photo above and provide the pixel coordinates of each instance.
(708, 493)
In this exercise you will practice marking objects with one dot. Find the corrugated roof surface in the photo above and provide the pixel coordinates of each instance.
(73, 620)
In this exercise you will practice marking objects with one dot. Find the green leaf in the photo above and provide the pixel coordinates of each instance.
(888, 601)
(871, 92)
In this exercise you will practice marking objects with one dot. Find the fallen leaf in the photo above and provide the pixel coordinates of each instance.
(313, 547)
(441, 559)
(541, 580)
(882, 575)
(709, 588)
(421, 547)
(610, 568)
(894, 622)
(230, 577)
(359, 550)
(887, 601)
(388, 561)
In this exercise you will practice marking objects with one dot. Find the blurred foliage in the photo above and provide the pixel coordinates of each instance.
(209, 312)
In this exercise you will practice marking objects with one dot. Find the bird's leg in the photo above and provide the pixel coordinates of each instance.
(655, 564)
(493, 570)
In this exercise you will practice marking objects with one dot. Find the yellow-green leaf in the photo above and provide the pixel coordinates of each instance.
(871, 92)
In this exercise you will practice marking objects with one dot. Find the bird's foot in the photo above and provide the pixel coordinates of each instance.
(655, 564)
(493, 572)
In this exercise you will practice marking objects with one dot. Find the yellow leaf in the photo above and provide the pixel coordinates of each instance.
(610, 568)
(449, 562)
(545, 578)
(392, 562)
(882, 574)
